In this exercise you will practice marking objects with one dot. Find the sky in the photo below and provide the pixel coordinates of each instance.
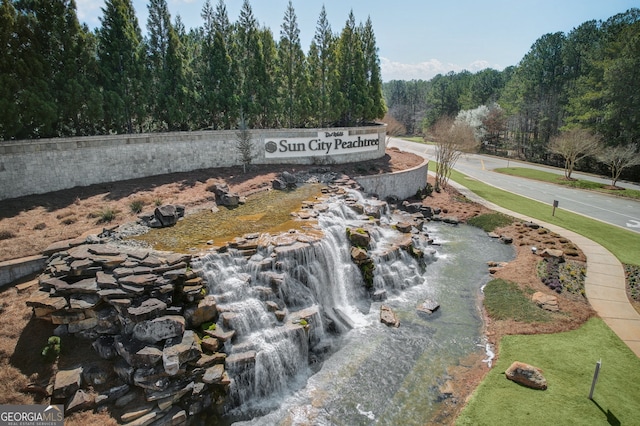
(416, 39)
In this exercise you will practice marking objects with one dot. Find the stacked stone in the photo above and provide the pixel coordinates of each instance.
(141, 308)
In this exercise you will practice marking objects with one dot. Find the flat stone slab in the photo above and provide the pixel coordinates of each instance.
(428, 306)
(213, 374)
(67, 382)
(546, 301)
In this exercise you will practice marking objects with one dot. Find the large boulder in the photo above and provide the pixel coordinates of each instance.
(388, 317)
(428, 306)
(360, 237)
(67, 382)
(159, 329)
(404, 227)
(553, 254)
(375, 209)
(148, 309)
(411, 207)
(545, 301)
(224, 197)
(167, 215)
(359, 256)
(178, 351)
(526, 375)
(205, 311)
(289, 179)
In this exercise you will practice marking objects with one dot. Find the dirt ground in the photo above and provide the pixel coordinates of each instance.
(30, 224)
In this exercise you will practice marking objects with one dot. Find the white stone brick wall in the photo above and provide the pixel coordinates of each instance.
(46, 165)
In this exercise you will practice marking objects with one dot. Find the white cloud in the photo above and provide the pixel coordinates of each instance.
(392, 70)
(89, 12)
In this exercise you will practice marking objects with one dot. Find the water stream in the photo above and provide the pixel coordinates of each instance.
(341, 365)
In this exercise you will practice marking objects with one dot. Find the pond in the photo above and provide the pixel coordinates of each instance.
(268, 211)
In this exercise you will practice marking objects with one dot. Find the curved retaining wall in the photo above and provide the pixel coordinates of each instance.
(403, 184)
(46, 165)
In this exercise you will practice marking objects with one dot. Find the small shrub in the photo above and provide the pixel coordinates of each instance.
(208, 326)
(136, 206)
(51, 351)
(5, 234)
(303, 322)
(106, 215)
(423, 193)
(157, 202)
(40, 226)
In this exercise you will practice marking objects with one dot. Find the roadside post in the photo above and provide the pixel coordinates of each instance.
(595, 379)
(555, 205)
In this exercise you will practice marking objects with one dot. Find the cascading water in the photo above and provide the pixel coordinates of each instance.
(330, 360)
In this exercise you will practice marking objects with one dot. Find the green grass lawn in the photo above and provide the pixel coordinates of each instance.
(568, 359)
(559, 180)
(504, 300)
(568, 362)
(624, 244)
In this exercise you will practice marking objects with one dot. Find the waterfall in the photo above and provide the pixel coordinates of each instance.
(288, 305)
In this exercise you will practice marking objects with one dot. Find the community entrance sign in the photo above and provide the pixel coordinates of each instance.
(327, 143)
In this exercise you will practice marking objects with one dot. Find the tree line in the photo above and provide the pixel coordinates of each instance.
(59, 78)
(588, 79)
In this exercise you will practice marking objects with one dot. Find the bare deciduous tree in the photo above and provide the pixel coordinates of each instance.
(619, 158)
(452, 138)
(243, 143)
(573, 145)
(394, 128)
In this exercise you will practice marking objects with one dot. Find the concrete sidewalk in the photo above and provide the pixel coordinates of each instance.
(605, 283)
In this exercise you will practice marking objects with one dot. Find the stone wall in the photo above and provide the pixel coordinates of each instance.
(46, 165)
(12, 270)
(402, 185)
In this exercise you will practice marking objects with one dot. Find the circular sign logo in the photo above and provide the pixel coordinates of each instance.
(271, 147)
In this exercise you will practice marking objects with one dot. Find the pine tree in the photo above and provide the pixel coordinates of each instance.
(36, 44)
(9, 80)
(79, 98)
(374, 107)
(251, 67)
(218, 85)
(352, 82)
(270, 109)
(190, 44)
(166, 66)
(120, 56)
(293, 82)
(322, 71)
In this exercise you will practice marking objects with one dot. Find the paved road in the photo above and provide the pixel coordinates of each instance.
(613, 210)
